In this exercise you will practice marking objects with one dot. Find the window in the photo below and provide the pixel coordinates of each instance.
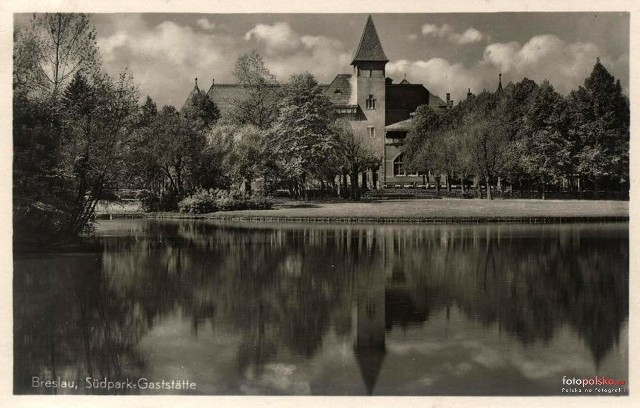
(370, 103)
(398, 166)
(372, 131)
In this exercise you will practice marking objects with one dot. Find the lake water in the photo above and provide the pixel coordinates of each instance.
(321, 309)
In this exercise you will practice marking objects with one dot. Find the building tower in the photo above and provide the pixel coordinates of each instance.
(368, 81)
(369, 324)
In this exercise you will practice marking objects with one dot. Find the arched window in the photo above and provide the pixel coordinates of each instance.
(398, 166)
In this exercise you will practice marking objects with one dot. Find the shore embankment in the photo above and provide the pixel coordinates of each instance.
(405, 211)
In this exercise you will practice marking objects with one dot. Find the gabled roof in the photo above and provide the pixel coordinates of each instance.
(339, 91)
(187, 104)
(370, 48)
(402, 126)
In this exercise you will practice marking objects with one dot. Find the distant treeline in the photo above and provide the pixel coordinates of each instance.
(529, 136)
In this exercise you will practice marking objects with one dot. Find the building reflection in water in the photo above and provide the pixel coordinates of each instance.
(280, 291)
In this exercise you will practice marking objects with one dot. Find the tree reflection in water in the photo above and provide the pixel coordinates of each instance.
(281, 289)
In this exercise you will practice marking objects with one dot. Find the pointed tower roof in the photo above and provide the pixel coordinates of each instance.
(370, 48)
(370, 363)
(189, 102)
(499, 82)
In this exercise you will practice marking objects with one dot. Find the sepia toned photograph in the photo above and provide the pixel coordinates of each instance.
(321, 204)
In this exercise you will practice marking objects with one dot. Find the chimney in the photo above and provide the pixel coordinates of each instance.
(213, 82)
(449, 101)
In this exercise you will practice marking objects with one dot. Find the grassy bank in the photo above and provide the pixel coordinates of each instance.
(453, 210)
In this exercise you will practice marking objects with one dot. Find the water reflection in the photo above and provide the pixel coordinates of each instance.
(458, 310)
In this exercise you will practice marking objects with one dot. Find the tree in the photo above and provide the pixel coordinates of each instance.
(259, 104)
(485, 139)
(301, 136)
(71, 124)
(240, 150)
(600, 128)
(100, 116)
(52, 50)
(544, 148)
(175, 149)
(202, 111)
(422, 148)
(356, 150)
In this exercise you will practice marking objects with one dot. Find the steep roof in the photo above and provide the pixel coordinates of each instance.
(370, 48)
(339, 91)
(402, 126)
(227, 96)
(187, 104)
(370, 363)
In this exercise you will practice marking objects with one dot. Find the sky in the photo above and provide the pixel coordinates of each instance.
(445, 52)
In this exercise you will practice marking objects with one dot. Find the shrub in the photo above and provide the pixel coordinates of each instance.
(206, 201)
(165, 201)
(201, 202)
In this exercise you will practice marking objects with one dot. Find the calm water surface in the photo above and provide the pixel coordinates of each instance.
(316, 309)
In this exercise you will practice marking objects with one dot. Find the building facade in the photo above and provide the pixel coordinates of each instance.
(374, 106)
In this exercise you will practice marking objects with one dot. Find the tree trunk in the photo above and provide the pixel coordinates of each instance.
(449, 181)
(345, 191)
(355, 192)
(462, 182)
(488, 182)
(542, 185)
(305, 193)
(580, 184)
(437, 184)
(478, 189)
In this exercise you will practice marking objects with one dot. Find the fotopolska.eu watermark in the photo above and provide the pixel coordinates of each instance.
(594, 385)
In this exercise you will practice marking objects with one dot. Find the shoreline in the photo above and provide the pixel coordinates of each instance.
(451, 211)
(404, 211)
(371, 220)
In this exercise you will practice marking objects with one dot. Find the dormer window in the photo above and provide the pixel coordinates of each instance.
(370, 103)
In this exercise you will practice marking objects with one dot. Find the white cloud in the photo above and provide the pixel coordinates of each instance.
(436, 30)
(546, 56)
(439, 76)
(564, 64)
(469, 36)
(287, 52)
(205, 24)
(278, 38)
(165, 58)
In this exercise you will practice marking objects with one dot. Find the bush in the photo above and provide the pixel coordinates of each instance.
(165, 201)
(207, 201)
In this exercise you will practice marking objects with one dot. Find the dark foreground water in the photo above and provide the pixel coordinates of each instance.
(316, 309)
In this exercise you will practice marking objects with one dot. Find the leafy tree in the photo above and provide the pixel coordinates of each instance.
(422, 146)
(175, 150)
(544, 148)
(99, 115)
(600, 128)
(259, 105)
(71, 123)
(485, 141)
(301, 136)
(202, 111)
(241, 152)
(356, 150)
(52, 50)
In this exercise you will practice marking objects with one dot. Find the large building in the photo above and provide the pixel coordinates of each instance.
(374, 105)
